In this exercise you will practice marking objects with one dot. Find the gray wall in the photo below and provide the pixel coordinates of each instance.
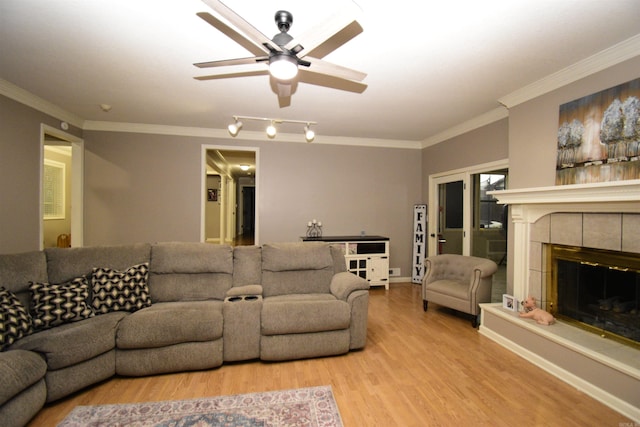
(483, 145)
(20, 175)
(533, 125)
(147, 188)
(141, 187)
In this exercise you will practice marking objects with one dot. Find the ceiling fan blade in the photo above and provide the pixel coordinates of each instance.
(227, 62)
(238, 72)
(338, 39)
(323, 67)
(325, 80)
(316, 36)
(233, 34)
(284, 90)
(243, 26)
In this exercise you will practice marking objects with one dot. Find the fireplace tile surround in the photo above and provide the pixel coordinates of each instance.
(609, 231)
(600, 215)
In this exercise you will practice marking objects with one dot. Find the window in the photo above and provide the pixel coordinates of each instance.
(489, 213)
(53, 190)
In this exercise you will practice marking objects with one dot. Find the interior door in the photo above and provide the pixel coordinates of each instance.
(61, 147)
(449, 205)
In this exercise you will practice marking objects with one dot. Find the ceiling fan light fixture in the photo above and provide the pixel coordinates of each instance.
(309, 134)
(283, 66)
(234, 128)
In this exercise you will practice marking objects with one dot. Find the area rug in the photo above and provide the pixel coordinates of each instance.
(312, 406)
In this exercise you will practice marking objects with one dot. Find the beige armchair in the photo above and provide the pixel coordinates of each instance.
(458, 282)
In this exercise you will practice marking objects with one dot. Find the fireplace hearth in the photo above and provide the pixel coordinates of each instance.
(603, 216)
(597, 290)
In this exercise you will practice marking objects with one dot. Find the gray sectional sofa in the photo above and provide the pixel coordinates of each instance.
(146, 309)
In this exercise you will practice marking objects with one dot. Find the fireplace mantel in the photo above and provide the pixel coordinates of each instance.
(530, 204)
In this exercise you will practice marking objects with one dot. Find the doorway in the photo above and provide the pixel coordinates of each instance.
(463, 218)
(230, 211)
(61, 188)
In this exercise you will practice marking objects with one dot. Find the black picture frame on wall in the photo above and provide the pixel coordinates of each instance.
(212, 194)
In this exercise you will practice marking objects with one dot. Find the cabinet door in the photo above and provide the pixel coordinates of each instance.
(378, 269)
(358, 266)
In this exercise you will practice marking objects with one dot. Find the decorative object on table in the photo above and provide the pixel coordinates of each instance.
(510, 303)
(313, 406)
(531, 311)
(314, 229)
(419, 242)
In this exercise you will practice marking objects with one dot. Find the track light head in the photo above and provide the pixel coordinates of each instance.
(271, 131)
(234, 128)
(309, 134)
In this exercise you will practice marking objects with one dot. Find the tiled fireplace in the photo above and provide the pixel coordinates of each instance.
(603, 216)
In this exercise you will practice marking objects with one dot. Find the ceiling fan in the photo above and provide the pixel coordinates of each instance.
(287, 60)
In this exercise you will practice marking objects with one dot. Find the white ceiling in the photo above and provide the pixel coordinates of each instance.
(431, 65)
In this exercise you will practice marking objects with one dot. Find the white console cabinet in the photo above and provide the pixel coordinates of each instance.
(365, 256)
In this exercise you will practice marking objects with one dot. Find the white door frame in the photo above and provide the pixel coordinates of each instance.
(463, 175)
(77, 183)
(203, 174)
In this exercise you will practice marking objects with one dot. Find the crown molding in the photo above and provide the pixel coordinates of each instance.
(464, 127)
(27, 98)
(244, 135)
(609, 57)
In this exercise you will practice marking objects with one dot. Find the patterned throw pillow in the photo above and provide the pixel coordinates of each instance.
(53, 305)
(120, 290)
(15, 321)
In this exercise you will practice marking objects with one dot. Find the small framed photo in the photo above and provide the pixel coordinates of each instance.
(212, 194)
(509, 302)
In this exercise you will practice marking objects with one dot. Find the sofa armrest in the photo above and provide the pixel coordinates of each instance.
(342, 284)
(19, 370)
(244, 290)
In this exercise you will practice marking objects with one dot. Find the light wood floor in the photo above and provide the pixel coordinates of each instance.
(418, 369)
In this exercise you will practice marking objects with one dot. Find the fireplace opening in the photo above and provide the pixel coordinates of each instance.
(597, 290)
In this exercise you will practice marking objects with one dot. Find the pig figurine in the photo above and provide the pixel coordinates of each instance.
(531, 311)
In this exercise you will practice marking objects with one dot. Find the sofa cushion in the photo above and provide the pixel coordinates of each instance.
(53, 305)
(453, 288)
(64, 264)
(73, 343)
(296, 256)
(190, 271)
(296, 315)
(115, 290)
(296, 268)
(247, 265)
(17, 270)
(170, 323)
(15, 321)
(20, 369)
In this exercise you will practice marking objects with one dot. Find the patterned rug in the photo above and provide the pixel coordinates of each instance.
(313, 406)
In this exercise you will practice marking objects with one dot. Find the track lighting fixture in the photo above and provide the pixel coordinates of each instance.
(234, 128)
(309, 134)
